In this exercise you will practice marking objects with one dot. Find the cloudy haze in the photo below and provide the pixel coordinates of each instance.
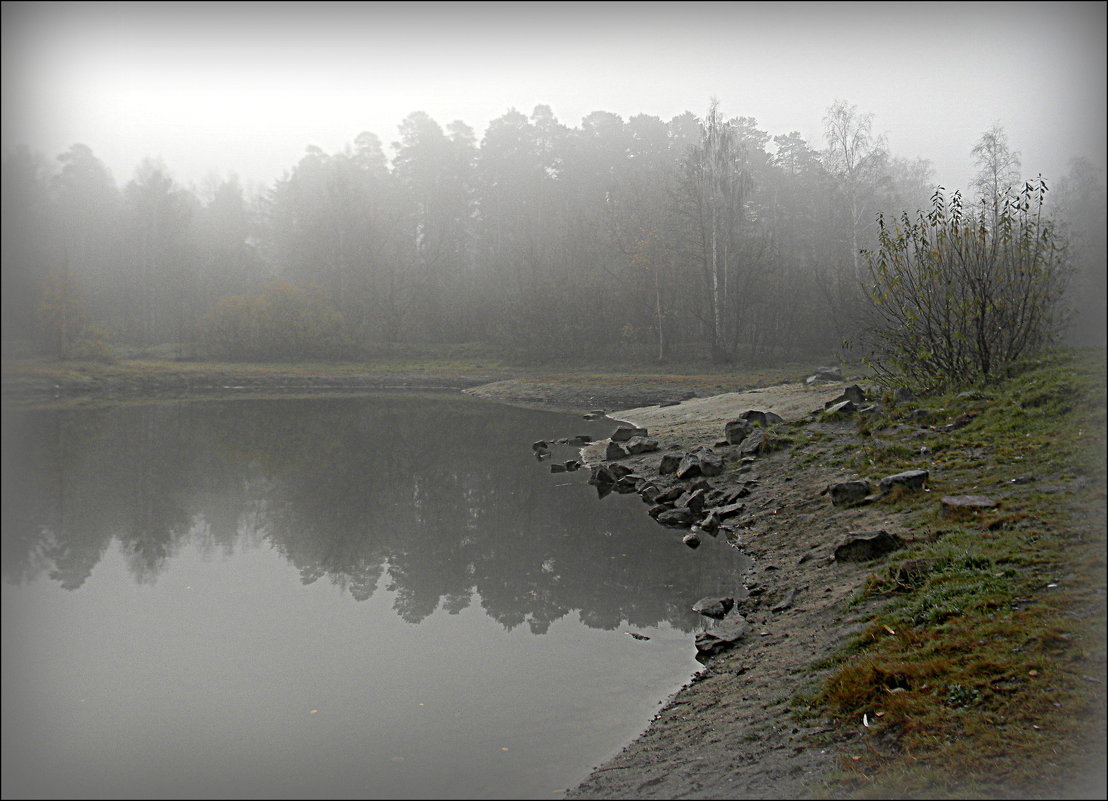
(221, 88)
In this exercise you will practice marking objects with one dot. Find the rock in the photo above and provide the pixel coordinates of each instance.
(580, 439)
(710, 524)
(849, 493)
(840, 408)
(670, 495)
(689, 466)
(676, 518)
(657, 509)
(903, 395)
(624, 433)
(726, 634)
(693, 500)
(557, 468)
(692, 539)
(710, 463)
(601, 475)
(853, 393)
(713, 607)
(637, 445)
(618, 471)
(663, 404)
(626, 485)
(614, 451)
(730, 510)
(735, 431)
(909, 479)
(868, 546)
(572, 465)
(669, 464)
(759, 418)
(830, 373)
(649, 493)
(541, 445)
(957, 506)
(755, 442)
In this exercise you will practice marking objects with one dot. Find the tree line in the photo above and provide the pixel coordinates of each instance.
(688, 238)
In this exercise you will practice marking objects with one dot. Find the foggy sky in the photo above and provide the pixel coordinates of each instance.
(215, 88)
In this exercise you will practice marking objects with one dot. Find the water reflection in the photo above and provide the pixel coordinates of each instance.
(435, 497)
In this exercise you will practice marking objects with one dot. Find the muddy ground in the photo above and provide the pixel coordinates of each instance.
(728, 733)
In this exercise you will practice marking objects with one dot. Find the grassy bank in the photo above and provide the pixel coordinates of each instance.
(983, 674)
(614, 382)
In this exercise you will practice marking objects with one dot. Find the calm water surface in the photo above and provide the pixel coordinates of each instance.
(379, 596)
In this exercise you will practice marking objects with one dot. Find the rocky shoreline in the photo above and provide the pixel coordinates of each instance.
(728, 733)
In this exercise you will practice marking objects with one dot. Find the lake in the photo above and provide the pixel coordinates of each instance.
(372, 596)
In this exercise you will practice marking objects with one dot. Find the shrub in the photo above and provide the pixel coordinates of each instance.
(959, 295)
(283, 322)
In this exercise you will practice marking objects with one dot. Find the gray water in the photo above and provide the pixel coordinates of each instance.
(379, 596)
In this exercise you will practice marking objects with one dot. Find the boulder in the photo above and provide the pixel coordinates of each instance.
(735, 431)
(903, 395)
(909, 479)
(755, 442)
(710, 463)
(676, 518)
(867, 546)
(669, 464)
(649, 493)
(692, 539)
(624, 433)
(601, 475)
(572, 465)
(730, 510)
(725, 634)
(710, 524)
(626, 485)
(691, 500)
(618, 471)
(637, 445)
(852, 393)
(713, 607)
(689, 466)
(849, 493)
(670, 495)
(557, 468)
(958, 506)
(615, 451)
(760, 418)
(840, 408)
(541, 445)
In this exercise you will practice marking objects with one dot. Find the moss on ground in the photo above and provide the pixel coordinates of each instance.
(983, 672)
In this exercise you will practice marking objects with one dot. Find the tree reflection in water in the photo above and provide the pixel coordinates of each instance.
(439, 492)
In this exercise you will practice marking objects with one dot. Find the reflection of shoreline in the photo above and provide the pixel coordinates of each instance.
(406, 486)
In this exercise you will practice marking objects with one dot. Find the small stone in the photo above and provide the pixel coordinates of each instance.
(692, 539)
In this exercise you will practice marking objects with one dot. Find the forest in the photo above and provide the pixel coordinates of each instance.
(696, 238)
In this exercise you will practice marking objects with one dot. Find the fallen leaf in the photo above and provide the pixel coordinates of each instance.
(888, 629)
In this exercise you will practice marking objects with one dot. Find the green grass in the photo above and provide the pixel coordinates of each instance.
(978, 672)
